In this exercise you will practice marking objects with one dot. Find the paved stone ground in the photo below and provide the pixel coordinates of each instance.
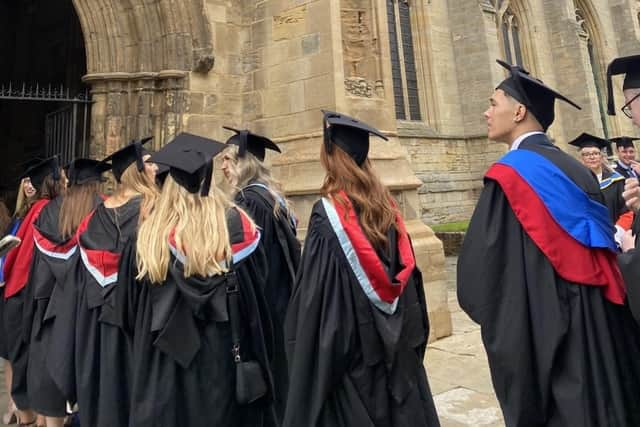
(458, 371)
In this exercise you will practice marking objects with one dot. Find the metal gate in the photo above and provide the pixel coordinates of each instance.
(67, 128)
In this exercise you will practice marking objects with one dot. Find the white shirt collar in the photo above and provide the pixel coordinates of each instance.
(522, 137)
(623, 166)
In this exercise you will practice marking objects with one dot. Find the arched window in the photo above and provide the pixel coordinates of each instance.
(511, 37)
(586, 32)
(403, 61)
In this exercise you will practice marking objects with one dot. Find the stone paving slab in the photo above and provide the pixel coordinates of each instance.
(459, 372)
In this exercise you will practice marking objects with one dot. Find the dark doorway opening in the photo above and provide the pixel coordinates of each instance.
(42, 61)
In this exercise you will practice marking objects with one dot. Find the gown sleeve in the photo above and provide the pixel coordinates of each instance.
(319, 328)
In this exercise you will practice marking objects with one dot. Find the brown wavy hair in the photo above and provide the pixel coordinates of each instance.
(51, 188)
(370, 198)
(78, 201)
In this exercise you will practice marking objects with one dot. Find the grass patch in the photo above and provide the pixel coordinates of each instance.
(450, 227)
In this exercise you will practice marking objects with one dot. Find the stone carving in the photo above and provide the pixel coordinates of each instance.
(360, 44)
(203, 61)
(582, 25)
(358, 86)
(290, 24)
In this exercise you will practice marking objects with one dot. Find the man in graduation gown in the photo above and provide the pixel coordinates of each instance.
(538, 272)
(626, 151)
(629, 66)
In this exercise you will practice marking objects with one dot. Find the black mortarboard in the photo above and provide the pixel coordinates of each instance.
(121, 159)
(190, 161)
(623, 141)
(251, 142)
(630, 67)
(588, 140)
(532, 93)
(349, 134)
(38, 172)
(81, 171)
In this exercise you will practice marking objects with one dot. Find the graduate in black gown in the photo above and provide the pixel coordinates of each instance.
(259, 194)
(626, 151)
(45, 177)
(197, 268)
(93, 364)
(55, 256)
(629, 66)
(357, 326)
(538, 272)
(592, 151)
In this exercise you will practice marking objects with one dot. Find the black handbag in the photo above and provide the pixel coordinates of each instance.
(250, 383)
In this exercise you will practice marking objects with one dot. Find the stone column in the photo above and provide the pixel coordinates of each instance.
(334, 55)
(132, 105)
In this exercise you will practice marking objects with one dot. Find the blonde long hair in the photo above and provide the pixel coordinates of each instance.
(139, 182)
(363, 186)
(200, 232)
(245, 169)
(23, 203)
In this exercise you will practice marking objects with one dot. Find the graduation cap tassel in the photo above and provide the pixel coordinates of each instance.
(611, 109)
(206, 185)
(56, 169)
(326, 132)
(242, 148)
(139, 162)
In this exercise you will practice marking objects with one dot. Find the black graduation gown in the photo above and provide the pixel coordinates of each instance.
(183, 369)
(278, 237)
(612, 194)
(4, 350)
(560, 354)
(349, 363)
(622, 171)
(54, 258)
(98, 375)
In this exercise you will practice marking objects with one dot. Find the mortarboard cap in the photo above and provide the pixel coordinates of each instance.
(40, 170)
(588, 140)
(630, 67)
(349, 134)
(532, 93)
(81, 171)
(124, 157)
(251, 142)
(190, 161)
(623, 141)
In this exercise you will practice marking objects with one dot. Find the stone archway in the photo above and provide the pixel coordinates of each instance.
(139, 55)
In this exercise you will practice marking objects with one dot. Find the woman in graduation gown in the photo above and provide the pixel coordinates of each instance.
(194, 254)
(93, 366)
(591, 149)
(54, 256)
(45, 177)
(357, 324)
(26, 197)
(260, 195)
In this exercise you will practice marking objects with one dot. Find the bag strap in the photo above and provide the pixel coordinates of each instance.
(234, 315)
